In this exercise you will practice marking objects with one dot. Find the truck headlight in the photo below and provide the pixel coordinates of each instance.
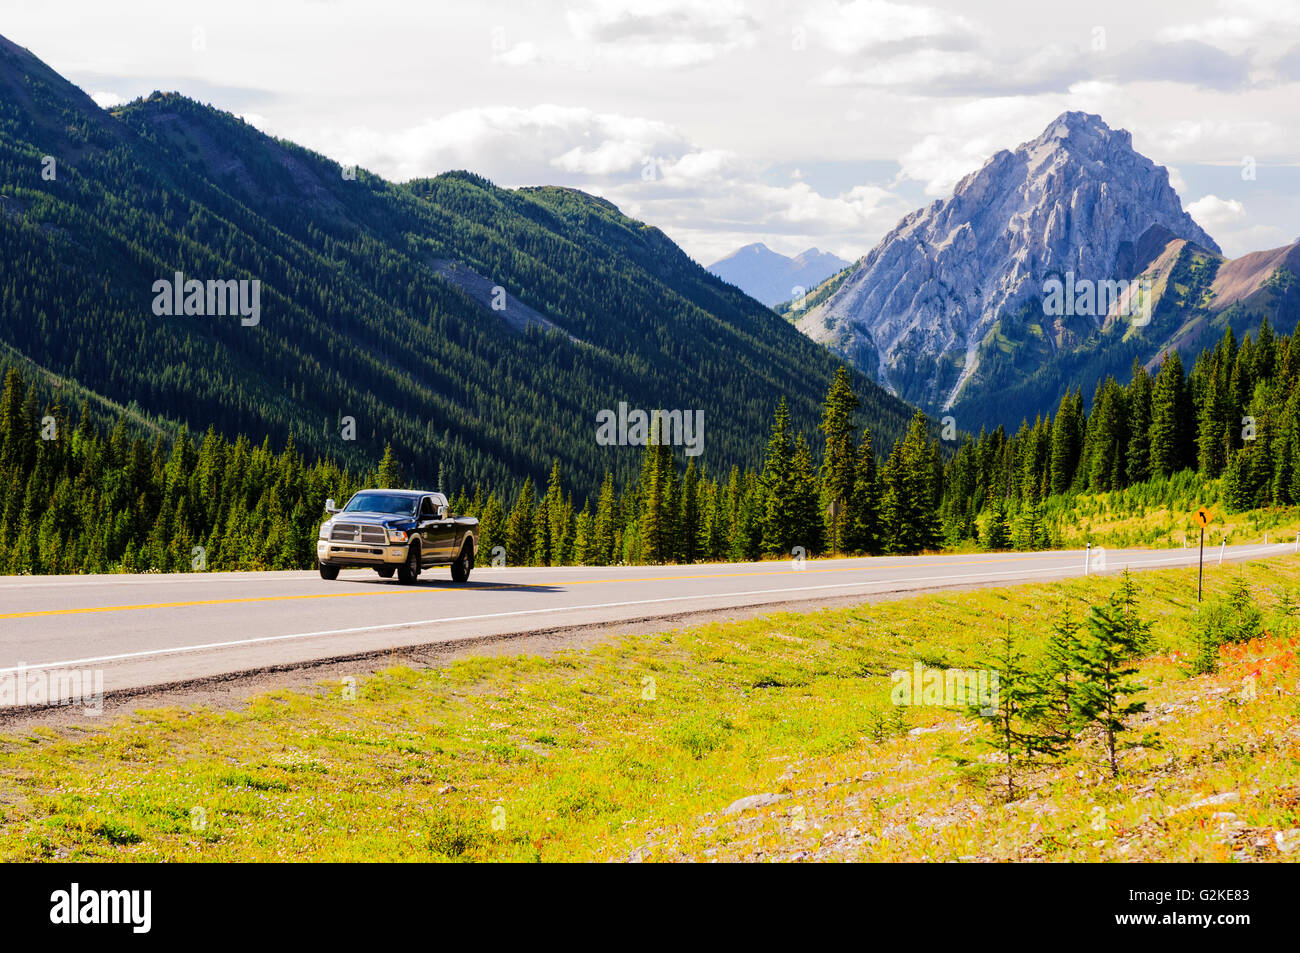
(324, 531)
(396, 536)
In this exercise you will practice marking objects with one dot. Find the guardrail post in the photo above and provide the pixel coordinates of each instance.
(1222, 546)
(1087, 555)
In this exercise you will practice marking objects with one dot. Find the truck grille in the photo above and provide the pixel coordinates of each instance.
(358, 533)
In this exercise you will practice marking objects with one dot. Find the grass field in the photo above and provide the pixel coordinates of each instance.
(640, 749)
(1160, 514)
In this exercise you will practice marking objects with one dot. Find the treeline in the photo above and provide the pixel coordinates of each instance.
(80, 500)
(89, 501)
(77, 499)
(795, 505)
(1235, 416)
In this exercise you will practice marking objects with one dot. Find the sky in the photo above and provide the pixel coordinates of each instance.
(725, 122)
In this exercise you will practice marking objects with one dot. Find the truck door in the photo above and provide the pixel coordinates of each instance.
(439, 534)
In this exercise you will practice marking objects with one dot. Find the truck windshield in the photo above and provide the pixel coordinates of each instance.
(381, 503)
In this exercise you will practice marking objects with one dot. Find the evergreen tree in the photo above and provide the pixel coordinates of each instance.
(605, 531)
(1105, 693)
(778, 521)
(1167, 451)
(1138, 400)
(519, 527)
(863, 516)
(840, 463)
(910, 504)
(1065, 442)
(390, 473)
(997, 533)
(804, 501)
(1058, 679)
(1013, 716)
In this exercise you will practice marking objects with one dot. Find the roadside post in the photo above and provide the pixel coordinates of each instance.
(1202, 518)
(1087, 556)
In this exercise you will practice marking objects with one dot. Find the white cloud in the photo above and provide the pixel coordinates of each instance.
(511, 144)
(927, 67)
(1176, 180)
(935, 86)
(1212, 212)
(662, 34)
(1202, 139)
(1240, 24)
(860, 25)
(521, 54)
(105, 100)
(1214, 31)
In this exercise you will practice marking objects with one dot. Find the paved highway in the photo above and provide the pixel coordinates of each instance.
(151, 630)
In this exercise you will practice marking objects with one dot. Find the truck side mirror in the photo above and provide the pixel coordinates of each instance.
(443, 512)
(329, 506)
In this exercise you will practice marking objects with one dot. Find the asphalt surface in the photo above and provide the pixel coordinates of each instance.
(154, 630)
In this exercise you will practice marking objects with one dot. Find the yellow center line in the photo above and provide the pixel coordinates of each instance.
(182, 605)
(389, 591)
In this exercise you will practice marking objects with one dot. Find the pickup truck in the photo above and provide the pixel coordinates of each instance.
(396, 531)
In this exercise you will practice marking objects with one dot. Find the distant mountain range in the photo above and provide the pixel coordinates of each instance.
(952, 310)
(479, 330)
(773, 278)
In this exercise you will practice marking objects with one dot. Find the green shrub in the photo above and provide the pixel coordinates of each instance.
(1233, 617)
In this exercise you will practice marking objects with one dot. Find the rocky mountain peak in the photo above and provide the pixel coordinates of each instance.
(1078, 199)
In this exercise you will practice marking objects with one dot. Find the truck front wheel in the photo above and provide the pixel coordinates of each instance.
(411, 568)
(328, 572)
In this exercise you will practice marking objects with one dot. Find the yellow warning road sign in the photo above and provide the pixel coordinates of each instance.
(1203, 516)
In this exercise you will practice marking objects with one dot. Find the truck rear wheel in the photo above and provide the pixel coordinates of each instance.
(460, 569)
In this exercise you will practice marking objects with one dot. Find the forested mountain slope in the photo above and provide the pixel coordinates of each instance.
(355, 319)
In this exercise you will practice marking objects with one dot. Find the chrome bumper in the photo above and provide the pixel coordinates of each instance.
(337, 553)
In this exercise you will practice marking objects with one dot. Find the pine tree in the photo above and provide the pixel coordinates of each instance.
(777, 481)
(1058, 679)
(658, 494)
(1105, 695)
(390, 473)
(1167, 451)
(1013, 716)
(1065, 443)
(519, 526)
(840, 463)
(862, 519)
(997, 532)
(804, 502)
(492, 526)
(911, 498)
(689, 516)
(1107, 438)
(605, 531)
(1139, 401)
